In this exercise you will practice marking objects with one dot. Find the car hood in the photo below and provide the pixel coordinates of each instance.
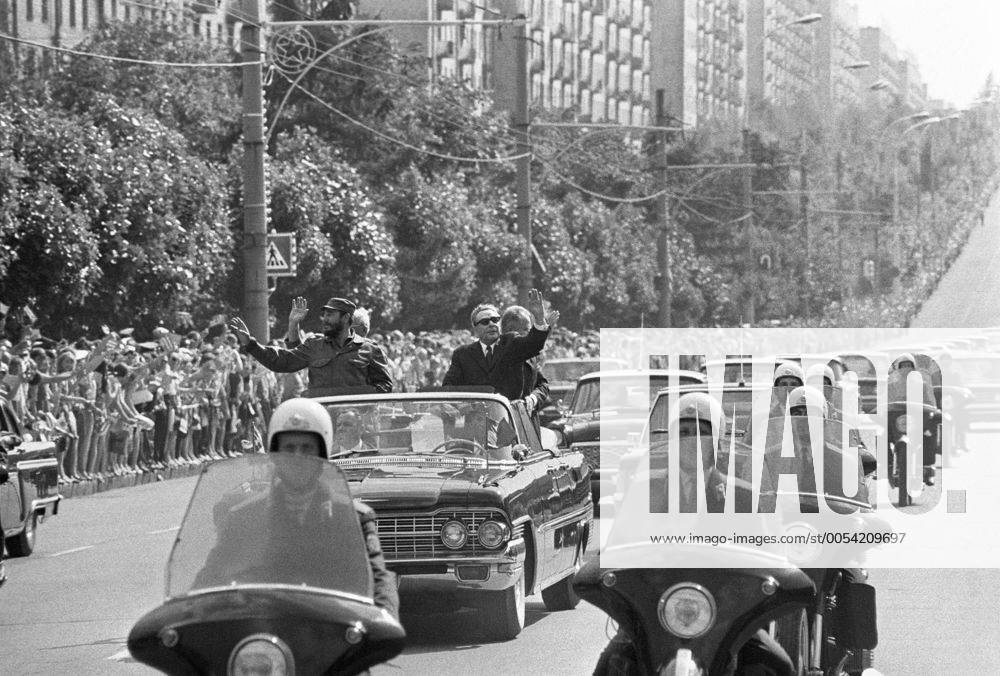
(388, 486)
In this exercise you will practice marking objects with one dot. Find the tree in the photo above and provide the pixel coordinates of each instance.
(107, 217)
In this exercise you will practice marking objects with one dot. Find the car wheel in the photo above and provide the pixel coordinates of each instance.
(561, 596)
(23, 543)
(504, 611)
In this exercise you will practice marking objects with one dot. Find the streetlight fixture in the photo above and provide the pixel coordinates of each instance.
(858, 65)
(879, 86)
(804, 20)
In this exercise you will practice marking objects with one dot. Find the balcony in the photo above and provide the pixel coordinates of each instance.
(445, 5)
(537, 65)
(467, 53)
(466, 10)
(445, 49)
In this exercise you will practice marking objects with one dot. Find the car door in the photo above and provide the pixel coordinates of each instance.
(10, 495)
(560, 487)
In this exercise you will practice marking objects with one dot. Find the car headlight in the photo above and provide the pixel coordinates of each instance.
(454, 534)
(901, 423)
(261, 655)
(491, 534)
(686, 610)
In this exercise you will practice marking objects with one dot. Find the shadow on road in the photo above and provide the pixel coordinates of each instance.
(462, 629)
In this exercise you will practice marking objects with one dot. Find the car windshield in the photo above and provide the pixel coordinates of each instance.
(272, 519)
(622, 392)
(565, 371)
(736, 403)
(864, 367)
(480, 428)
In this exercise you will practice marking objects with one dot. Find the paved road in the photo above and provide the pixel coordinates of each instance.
(969, 293)
(99, 566)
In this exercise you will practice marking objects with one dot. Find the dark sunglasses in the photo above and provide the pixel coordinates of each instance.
(488, 320)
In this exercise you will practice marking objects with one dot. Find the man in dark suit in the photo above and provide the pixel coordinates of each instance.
(534, 385)
(497, 360)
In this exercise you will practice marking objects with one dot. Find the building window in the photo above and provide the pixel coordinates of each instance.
(72, 13)
(29, 10)
(84, 13)
(45, 14)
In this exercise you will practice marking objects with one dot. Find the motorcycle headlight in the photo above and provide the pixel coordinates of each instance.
(454, 534)
(686, 610)
(261, 655)
(491, 534)
(901, 423)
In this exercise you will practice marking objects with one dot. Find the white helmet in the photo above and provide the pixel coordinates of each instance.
(809, 397)
(700, 406)
(789, 369)
(301, 415)
(820, 373)
(902, 358)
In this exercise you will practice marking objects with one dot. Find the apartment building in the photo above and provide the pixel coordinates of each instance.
(699, 59)
(839, 61)
(588, 57)
(913, 88)
(782, 56)
(65, 23)
(879, 49)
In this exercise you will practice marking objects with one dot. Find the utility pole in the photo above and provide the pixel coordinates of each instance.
(804, 209)
(839, 221)
(523, 178)
(255, 292)
(748, 196)
(664, 318)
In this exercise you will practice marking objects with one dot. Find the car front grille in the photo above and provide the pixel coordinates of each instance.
(418, 536)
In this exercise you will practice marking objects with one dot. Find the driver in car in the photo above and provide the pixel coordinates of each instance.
(295, 506)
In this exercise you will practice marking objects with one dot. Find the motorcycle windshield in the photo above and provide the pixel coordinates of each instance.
(274, 519)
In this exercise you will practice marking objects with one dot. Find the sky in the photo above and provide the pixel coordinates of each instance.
(955, 41)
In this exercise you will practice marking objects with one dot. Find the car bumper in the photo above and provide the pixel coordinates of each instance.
(474, 573)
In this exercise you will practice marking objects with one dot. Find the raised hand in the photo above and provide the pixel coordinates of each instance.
(536, 305)
(240, 330)
(300, 308)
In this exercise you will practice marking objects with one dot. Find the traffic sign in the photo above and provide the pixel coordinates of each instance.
(281, 254)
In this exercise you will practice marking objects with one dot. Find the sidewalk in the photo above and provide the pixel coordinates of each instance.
(89, 487)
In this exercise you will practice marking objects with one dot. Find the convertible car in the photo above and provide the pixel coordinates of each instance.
(476, 505)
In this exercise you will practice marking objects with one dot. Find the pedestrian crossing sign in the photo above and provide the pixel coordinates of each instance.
(281, 254)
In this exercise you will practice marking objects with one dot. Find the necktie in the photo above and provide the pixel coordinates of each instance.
(489, 355)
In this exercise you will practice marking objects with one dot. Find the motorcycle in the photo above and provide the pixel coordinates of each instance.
(269, 574)
(903, 473)
(698, 621)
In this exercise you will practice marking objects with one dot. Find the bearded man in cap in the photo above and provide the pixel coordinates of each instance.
(338, 358)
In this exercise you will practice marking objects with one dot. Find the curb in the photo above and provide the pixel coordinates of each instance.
(90, 487)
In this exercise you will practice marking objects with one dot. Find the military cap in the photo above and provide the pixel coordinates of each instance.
(340, 305)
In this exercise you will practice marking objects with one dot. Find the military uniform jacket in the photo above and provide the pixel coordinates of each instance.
(359, 362)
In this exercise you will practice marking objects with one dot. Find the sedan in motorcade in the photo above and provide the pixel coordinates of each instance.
(563, 375)
(29, 476)
(474, 506)
(626, 407)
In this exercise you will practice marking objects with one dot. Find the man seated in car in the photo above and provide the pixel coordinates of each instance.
(489, 429)
(347, 439)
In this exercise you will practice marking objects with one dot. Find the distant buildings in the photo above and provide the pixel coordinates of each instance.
(594, 59)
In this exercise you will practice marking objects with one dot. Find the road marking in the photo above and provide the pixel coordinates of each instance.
(163, 530)
(72, 551)
(121, 656)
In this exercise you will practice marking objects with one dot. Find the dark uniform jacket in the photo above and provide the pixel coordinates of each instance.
(292, 540)
(507, 374)
(534, 382)
(359, 362)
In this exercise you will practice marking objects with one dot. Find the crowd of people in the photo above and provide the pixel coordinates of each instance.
(125, 403)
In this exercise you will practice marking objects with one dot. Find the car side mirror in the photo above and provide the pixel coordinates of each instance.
(519, 452)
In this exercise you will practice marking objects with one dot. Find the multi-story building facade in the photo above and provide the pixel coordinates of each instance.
(65, 23)
(699, 59)
(782, 55)
(879, 50)
(838, 48)
(914, 91)
(590, 57)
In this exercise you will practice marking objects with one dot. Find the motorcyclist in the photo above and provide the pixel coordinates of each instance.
(303, 427)
(698, 417)
(902, 366)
